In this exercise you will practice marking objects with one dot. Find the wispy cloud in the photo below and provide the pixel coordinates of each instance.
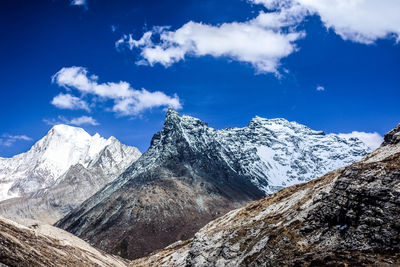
(78, 121)
(9, 140)
(126, 100)
(372, 140)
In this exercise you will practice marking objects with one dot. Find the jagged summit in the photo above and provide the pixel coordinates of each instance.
(193, 173)
(171, 113)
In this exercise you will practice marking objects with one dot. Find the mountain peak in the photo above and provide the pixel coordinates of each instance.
(51, 156)
(112, 139)
(172, 119)
(281, 125)
(67, 130)
(172, 112)
(60, 127)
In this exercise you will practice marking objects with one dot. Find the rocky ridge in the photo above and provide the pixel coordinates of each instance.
(192, 174)
(347, 217)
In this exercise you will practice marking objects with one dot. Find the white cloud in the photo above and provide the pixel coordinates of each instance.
(9, 140)
(320, 88)
(78, 2)
(83, 120)
(67, 101)
(372, 140)
(262, 41)
(127, 101)
(362, 21)
(143, 100)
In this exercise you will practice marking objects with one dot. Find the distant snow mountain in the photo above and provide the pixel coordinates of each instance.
(59, 172)
(193, 173)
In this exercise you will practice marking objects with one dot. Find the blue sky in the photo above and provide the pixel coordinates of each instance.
(332, 68)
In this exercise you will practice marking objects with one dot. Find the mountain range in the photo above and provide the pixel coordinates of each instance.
(348, 217)
(192, 174)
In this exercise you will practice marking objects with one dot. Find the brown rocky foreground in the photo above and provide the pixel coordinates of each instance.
(45, 245)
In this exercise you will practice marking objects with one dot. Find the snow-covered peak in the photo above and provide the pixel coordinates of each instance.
(281, 125)
(50, 157)
(64, 146)
(64, 129)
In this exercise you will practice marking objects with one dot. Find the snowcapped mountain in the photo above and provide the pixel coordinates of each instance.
(348, 217)
(48, 159)
(277, 153)
(59, 172)
(193, 173)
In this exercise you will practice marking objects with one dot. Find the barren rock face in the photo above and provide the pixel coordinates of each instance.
(192, 174)
(348, 217)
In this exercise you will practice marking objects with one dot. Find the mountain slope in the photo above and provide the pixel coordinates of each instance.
(96, 162)
(44, 245)
(192, 174)
(347, 217)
